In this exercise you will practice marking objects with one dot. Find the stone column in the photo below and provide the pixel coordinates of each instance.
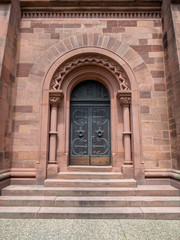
(125, 101)
(55, 98)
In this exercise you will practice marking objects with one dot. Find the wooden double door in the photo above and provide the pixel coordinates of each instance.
(90, 125)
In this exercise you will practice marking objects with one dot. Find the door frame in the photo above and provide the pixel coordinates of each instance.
(90, 159)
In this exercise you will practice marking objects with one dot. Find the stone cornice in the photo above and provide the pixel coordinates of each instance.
(91, 3)
(90, 14)
(91, 9)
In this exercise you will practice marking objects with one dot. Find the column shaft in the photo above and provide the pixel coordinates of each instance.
(126, 133)
(53, 135)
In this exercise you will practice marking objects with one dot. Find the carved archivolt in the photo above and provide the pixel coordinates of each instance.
(112, 67)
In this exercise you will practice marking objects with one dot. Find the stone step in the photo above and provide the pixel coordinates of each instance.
(40, 190)
(53, 201)
(95, 213)
(89, 175)
(90, 168)
(90, 183)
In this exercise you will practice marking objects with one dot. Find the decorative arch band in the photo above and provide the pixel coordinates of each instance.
(106, 63)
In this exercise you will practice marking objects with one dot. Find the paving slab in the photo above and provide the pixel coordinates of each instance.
(89, 229)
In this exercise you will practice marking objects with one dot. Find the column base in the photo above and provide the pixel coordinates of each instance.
(128, 163)
(52, 170)
(128, 171)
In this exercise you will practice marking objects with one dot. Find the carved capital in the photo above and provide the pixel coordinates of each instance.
(55, 97)
(125, 101)
(124, 98)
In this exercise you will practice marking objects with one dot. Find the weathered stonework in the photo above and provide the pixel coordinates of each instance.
(9, 21)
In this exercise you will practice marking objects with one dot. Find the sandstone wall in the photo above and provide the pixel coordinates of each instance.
(9, 14)
(171, 36)
(144, 36)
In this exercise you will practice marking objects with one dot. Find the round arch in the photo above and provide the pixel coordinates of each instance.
(110, 81)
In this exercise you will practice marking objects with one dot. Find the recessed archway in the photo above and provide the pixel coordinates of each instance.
(109, 78)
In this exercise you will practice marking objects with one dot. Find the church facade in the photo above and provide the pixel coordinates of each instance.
(89, 84)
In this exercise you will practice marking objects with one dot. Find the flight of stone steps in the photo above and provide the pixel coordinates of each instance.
(90, 195)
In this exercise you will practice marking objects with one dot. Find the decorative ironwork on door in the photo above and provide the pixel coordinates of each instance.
(90, 125)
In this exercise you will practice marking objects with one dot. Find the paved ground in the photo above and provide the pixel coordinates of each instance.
(77, 229)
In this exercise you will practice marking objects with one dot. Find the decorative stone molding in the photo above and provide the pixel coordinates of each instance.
(111, 66)
(55, 97)
(90, 14)
(125, 101)
(124, 98)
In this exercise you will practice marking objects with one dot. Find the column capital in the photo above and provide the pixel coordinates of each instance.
(124, 98)
(55, 97)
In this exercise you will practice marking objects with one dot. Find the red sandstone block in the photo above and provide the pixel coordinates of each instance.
(111, 23)
(68, 44)
(127, 23)
(88, 25)
(157, 35)
(144, 109)
(143, 42)
(114, 30)
(23, 69)
(56, 25)
(145, 94)
(107, 30)
(80, 40)
(156, 48)
(159, 87)
(162, 155)
(85, 39)
(72, 25)
(161, 141)
(157, 23)
(54, 35)
(157, 74)
(39, 25)
(164, 117)
(165, 134)
(142, 48)
(140, 67)
(26, 30)
(110, 43)
(74, 41)
(49, 30)
(118, 30)
(116, 46)
(96, 37)
(23, 109)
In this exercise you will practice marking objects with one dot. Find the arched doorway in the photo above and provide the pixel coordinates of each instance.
(90, 124)
(115, 74)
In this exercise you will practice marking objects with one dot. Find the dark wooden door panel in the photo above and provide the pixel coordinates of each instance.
(90, 125)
